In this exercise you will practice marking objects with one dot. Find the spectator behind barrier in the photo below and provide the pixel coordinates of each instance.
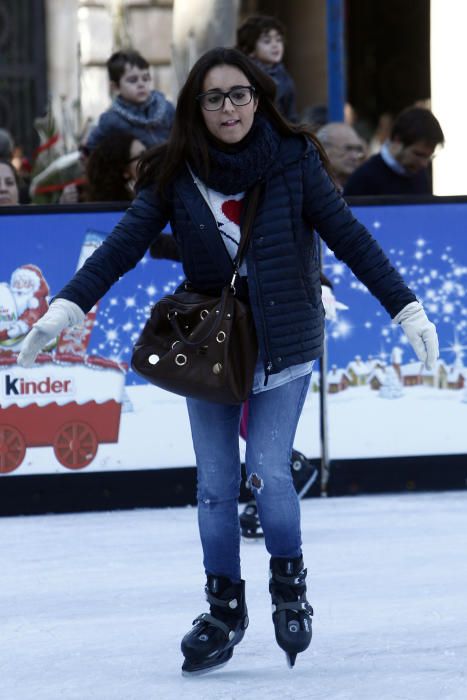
(9, 184)
(138, 109)
(111, 168)
(344, 149)
(262, 38)
(402, 166)
(110, 171)
(8, 153)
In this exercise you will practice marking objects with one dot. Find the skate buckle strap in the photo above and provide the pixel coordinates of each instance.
(296, 606)
(297, 580)
(211, 620)
(218, 602)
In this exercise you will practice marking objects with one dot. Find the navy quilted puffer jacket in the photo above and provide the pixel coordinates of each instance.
(283, 271)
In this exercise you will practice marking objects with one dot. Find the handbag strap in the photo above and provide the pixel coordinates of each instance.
(250, 213)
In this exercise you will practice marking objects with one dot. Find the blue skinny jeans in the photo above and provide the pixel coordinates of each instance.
(272, 423)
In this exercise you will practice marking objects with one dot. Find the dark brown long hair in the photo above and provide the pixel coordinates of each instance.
(188, 140)
(106, 166)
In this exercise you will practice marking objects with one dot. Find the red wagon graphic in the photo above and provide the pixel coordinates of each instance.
(70, 402)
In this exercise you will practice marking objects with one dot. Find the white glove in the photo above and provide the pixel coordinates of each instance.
(330, 303)
(420, 332)
(61, 313)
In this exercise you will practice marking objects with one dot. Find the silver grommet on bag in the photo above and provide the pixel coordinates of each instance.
(153, 359)
(180, 359)
(176, 342)
(217, 368)
(203, 314)
(220, 337)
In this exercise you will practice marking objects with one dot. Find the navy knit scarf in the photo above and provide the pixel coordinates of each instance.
(237, 167)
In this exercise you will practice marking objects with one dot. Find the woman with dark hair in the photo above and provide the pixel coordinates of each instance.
(9, 183)
(227, 137)
(109, 171)
(111, 168)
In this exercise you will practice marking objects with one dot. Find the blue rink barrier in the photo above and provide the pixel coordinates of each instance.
(81, 431)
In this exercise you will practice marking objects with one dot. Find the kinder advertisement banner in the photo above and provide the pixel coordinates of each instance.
(80, 407)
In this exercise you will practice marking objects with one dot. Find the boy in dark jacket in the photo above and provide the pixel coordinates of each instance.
(262, 39)
(138, 109)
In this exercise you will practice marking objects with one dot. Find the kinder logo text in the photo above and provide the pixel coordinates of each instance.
(21, 387)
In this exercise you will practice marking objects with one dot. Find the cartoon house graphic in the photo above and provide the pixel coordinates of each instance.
(437, 377)
(456, 378)
(375, 363)
(337, 380)
(357, 371)
(376, 378)
(411, 373)
(315, 382)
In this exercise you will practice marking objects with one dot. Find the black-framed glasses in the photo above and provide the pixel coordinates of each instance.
(240, 96)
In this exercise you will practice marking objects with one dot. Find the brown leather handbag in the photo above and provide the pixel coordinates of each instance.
(202, 346)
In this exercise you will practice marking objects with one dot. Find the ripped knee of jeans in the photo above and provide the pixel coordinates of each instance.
(255, 483)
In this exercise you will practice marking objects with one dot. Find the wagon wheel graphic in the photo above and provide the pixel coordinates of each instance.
(12, 448)
(75, 445)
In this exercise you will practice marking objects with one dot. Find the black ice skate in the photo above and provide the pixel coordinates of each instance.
(250, 525)
(291, 612)
(210, 642)
(304, 473)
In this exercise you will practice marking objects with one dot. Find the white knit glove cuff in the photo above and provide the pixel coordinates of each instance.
(60, 314)
(407, 312)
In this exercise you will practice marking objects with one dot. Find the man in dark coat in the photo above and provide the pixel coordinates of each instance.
(402, 165)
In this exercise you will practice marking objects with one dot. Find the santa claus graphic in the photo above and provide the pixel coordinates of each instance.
(22, 303)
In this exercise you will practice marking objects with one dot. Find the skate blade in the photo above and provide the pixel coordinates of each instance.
(290, 659)
(189, 670)
(203, 671)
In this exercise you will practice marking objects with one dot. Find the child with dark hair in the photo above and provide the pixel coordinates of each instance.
(138, 109)
(262, 38)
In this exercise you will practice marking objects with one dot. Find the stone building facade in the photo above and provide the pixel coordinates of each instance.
(81, 35)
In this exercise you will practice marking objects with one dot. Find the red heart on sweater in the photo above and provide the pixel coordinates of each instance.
(232, 208)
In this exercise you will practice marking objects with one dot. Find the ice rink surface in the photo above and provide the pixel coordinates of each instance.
(93, 605)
